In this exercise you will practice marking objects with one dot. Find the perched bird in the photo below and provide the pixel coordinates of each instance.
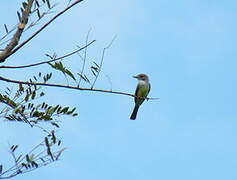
(142, 90)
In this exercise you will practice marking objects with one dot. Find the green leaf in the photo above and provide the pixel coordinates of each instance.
(32, 157)
(11, 102)
(6, 29)
(35, 78)
(50, 110)
(36, 114)
(27, 97)
(95, 68)
(48, 4)
(19, 16)
(42, 94)
(37, 3)
(64, 110)
(1, 168)
(38, 13)
(96, 65)
(70, 74)
(14, 147)
(46, 142)
(75, 114)
(47, 77)
(84, 78)
(33, 95)
(72, 111)
(30, 105)
(53, 137)
(43, 104)
(55, 124)
(34, 164)
(1, 97)
(28, 158)
(92, 70)
(46, 117)
(21, 88)
(24, 165)
(59, 66)
(59, 110)
(19, 157)
(24, 4)
(59, 142)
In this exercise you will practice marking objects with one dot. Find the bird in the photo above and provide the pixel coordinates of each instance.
(142, 90)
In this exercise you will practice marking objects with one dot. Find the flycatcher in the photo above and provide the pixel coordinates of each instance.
(142, 90)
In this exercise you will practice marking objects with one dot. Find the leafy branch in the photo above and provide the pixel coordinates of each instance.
(23, 109)
(41, 155)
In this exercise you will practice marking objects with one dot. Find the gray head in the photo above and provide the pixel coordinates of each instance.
(143, 77)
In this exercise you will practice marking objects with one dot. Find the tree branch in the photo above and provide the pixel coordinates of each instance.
(52, 60)
(15, 39)
(2, 59)
(71, 87)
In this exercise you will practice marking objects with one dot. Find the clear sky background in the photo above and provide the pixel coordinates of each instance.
(188, 49)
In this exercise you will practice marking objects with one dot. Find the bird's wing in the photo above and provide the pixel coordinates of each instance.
(136, 92)
(149, 88)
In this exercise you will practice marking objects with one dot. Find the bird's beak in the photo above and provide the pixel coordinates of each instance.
(135, 77)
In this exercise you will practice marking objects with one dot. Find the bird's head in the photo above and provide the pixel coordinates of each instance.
(143, 77)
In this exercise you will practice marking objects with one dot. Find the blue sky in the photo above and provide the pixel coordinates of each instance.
(188, 49)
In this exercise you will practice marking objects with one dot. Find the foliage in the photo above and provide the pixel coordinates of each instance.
(22, 106)
(26, 103)
(41, 155)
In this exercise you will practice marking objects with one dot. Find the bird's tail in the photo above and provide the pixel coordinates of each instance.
(134, 113)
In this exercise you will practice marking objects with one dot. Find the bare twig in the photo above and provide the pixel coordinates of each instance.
(52, 60)
(2, 59)
(15, 40)
(11, 176)
(9, 32)
(71, 87)
(84, 58)
(101, 62)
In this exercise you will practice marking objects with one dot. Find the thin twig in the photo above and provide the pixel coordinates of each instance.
(110, 82)
(11, 176)
(101, 62)
(70, 87)
(9, 32)
(52, 60)
(38, 31)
